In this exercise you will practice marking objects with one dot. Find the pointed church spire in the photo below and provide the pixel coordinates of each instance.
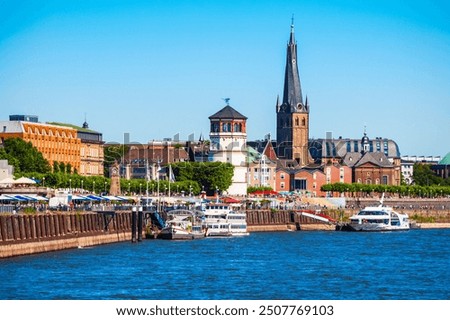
(292, 95)
(292, 38)
(278, 103)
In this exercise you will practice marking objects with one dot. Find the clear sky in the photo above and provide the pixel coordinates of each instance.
(157, 68)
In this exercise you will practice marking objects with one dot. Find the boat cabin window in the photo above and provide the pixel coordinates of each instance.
(371, 213)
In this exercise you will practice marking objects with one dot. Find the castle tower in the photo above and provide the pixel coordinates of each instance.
(228, 137)
(293, 113)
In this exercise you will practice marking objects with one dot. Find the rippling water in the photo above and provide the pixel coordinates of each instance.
(290, 265)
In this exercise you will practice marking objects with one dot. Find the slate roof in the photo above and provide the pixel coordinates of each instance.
(356, 159)
(228, 112)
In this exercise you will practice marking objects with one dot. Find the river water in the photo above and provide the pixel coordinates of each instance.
(311, 265)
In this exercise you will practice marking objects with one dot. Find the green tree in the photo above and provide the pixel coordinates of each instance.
(62, 167)
(24, 156)
(55, 166)
(424, 176)
(208, 175)
(113, 153)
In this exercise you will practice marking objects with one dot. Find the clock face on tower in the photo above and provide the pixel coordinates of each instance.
(114, 171)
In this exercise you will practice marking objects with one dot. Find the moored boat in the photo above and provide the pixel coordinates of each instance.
(380, 218)
(181, 227)
(221, 221)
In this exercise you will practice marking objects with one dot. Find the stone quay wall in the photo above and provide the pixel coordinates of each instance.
(22, 234)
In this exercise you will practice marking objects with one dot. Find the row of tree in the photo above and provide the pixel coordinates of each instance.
(401, 191)
(100, 184)
(191, 178)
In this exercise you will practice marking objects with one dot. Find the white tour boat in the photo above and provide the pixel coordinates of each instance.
(181, 227)
(221, 221)
(380, 218)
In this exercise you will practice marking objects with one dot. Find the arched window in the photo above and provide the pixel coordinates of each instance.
(237, 127)
(296, 122)
(214, 127)
(226, 127)
(303, 122)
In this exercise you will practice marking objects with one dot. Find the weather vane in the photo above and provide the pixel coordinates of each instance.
(227, 101)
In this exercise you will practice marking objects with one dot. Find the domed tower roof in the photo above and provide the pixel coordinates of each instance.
(365, 138)
(228, 112)
(365, 142)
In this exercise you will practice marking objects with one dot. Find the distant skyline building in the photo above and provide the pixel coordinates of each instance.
(293, 113)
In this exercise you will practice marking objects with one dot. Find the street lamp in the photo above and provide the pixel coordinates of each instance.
(217, 194)
(93, 187)
(140, 188)
(190, 191)
(129, 185)
(70, 185)
(105, 186)
(82, 186)
(43, 182)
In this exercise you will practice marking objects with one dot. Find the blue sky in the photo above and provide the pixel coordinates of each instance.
(157, 68)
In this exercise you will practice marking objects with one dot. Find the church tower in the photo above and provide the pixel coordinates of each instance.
(293, 113)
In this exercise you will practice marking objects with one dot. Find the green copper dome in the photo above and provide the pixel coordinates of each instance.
(446, 160)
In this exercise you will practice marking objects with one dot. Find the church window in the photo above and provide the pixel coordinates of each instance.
(303, 122)
(296, 121)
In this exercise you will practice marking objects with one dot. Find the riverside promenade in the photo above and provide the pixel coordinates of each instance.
(22, 234)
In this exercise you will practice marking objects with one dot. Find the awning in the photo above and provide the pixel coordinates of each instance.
(112, 198)
(230, 200)
(20, 198)
(35, 197)
(7, 181)
(78, 197)
(95, 198)
(125, 198)
(24, 180)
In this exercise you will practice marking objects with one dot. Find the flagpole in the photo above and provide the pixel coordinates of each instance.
(157, 178)
(170, 177)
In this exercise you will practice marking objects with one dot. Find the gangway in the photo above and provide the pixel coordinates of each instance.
(157, 220)
(318, 216)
